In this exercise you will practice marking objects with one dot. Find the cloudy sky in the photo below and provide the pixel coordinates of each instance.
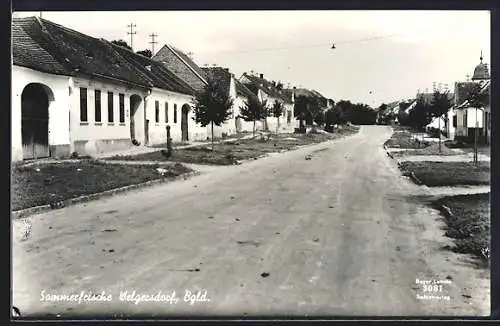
(380, 56)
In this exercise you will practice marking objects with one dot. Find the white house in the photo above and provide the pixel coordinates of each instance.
(271, 93)
(75, 93)
(465, 117)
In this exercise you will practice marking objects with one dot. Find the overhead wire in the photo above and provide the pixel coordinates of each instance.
(333, 42)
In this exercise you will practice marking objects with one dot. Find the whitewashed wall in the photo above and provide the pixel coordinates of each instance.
(58, 108)
(158, 131)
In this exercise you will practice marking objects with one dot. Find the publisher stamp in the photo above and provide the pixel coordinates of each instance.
(432, 289)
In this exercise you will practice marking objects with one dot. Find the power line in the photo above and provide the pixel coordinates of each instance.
(131, 33)
(153, 42)
(332, 45)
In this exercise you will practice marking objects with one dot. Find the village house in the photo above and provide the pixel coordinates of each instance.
(195, 76)
(75, 93)
(464, 117)
(270, 92)
(243, 96)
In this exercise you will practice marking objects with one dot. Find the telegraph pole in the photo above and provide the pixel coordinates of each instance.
(132, 33)
(153, 42)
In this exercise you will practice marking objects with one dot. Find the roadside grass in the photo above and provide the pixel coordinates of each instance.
(42, 184)
(402, 138)
(433, 174)
(469, 148)
(469, 224)
(205, 141)
(431, 149)
(230, 153)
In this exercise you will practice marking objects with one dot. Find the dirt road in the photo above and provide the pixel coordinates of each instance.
(340, 234)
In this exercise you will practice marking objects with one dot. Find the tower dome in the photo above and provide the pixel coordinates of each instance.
(481, 71)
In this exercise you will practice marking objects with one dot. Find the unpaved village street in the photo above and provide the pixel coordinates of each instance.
(342, 233)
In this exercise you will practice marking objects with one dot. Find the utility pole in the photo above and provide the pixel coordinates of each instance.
(153, 42)
(132, 33)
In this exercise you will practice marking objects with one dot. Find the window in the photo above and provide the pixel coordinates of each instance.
(110, 107)
(166, 112)
(97, 96)
(464, 120)
(83, 105)
(455, 121)
(122, 108)
(175, 113)
(157, 112)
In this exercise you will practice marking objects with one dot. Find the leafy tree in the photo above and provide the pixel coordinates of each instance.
(420, 116)
(305, 109)
(476, 98)
(212, 106)
(277, 112)
(334, 116)
(254, 110)
(439, 106)
(146, 53)
(121, 43)
(320, 118)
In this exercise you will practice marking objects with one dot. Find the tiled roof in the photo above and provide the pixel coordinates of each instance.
(190, 62)
(156, 71)
(264, 85)
(244, 91)
(81, 54)
(219, 75)
(28, 53)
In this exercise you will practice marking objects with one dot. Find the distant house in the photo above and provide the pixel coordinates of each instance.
(243, 95)
(75, 93)
(271, 93)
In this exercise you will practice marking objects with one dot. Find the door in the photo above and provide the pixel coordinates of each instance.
(35, 122)
(146, 132)
(184, 123)
(238, 124)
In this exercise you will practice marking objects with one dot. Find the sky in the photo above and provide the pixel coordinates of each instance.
(379, 56)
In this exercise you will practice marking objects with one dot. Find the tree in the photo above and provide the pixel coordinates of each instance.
(146, 53)
(121, 43)
(439, 106)
(320, 118)
(277, 111)
(212, 106)
(419, 116)
(305, 109)
(477, 99)
(254, 110)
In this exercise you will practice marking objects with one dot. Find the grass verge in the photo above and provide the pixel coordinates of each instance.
(431, 149)
(469, 223)
(433, 174)
(402, 138)
(43, 184)
(230, 153)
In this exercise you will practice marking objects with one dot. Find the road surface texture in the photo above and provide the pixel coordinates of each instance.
(341, 233)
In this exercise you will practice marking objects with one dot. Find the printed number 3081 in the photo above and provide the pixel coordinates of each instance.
(433, 288)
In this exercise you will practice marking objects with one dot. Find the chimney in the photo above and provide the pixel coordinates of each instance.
(261, 76)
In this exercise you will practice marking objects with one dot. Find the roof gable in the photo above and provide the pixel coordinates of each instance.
(220, 75)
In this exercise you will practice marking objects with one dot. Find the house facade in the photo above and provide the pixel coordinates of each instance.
(75, 93)
(465, 119)
(272, 93)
